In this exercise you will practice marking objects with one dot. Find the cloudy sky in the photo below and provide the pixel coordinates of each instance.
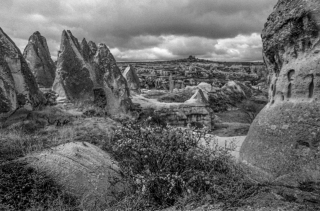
(134, 30)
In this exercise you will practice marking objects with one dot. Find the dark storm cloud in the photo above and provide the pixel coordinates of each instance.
(138, 25)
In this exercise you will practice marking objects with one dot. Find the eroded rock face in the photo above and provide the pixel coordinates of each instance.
(132, 79)
(18, 87)
(284, 138)
(39, 60)
(74, 75)
(85, 67)
(82, 169)
(115, 85)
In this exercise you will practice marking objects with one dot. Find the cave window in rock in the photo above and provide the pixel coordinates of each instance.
(289, 91)
(290, 75)
(311, 87)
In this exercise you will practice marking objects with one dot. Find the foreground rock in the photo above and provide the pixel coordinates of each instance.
(39, 60)
(84, 170)
(283, 142)
(18, 87)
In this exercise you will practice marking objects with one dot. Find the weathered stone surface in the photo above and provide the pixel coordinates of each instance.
(115, 85)
(85, 50)
(283, 140)
(83, 68)
(132, 79)
(18, 87)
(39, 60)
(75, 78)
(84, 170)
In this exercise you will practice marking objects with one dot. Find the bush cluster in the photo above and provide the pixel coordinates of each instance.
(22, 188)
(167, 166)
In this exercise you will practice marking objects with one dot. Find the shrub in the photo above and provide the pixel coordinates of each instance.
(167, 165)
(22, 188)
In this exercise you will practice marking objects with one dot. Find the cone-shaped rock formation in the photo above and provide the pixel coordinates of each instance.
(18, 87)
(86, 66)
(114, 83)
(284, 138)
(75, 78)
(132, 78)
(39, 60)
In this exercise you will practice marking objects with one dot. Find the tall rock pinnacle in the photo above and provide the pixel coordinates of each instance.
(18, 87)
(86, 66)
(74, 75)
(39, 60)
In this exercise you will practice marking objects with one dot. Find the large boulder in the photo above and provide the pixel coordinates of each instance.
(115, 85)
(83, 170)
(74, 75)
(132, 79)
(283, 142)
(18, 87)
(39, 60)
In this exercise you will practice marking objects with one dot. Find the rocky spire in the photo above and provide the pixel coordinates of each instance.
(74, 75)
(85, 50)
(114, 83)
(39, 60)
(132, 79)
(18, 87)
(83, 68)
(284, 137)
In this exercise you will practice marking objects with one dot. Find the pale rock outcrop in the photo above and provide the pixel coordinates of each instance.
(18, 87)
(83, 170)
(39, 60)
(115, 85)
(132, 79)
(283, 140)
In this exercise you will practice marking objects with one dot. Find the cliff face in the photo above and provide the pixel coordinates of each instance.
(18, 87)
(39, 60)
(288, 127)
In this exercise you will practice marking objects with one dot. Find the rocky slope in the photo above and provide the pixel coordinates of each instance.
(283, 141)
(39, 60)
(18, 87)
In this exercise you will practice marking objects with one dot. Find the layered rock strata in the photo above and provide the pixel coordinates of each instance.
(283, 140)
(18, 87)
(39, 60)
